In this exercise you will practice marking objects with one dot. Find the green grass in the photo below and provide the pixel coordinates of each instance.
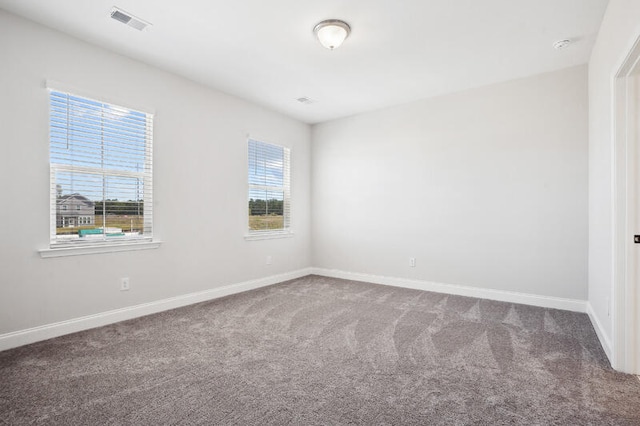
(261, 223)
(124, 223)
(256, 223)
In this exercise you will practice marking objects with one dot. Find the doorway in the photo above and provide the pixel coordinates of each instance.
(626, 287)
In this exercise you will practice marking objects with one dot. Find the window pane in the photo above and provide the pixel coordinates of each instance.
(268, 186)
(92, 134)
(76, 196)
(123, 207)
(101, 170)
(266, 210)
(266, 164)
(92, 205)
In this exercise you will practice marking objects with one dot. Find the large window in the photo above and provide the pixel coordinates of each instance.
(269, 194)
(101, 171)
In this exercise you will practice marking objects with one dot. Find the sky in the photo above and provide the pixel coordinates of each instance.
(91, 136)
(266, 169)
(98, 150)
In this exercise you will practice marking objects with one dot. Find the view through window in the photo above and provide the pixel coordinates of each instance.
(269, 194)
(101, 171)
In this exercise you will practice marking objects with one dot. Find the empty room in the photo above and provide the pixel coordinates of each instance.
(320, 213)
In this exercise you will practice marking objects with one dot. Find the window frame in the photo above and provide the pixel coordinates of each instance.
(286, 231)
(56, 247)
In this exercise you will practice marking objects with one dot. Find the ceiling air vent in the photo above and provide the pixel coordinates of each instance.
(127, 18)
(305, 100)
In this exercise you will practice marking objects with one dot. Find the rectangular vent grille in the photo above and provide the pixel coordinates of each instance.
(128, 19)
(138, 25)
(119, 16)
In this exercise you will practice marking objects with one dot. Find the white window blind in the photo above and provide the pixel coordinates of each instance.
(101, 171)
(269, 188)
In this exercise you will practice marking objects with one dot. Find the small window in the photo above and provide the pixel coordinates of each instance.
(101, 162)
(269, 188)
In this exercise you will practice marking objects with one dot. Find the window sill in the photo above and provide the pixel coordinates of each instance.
(98, 248)
(268, 235)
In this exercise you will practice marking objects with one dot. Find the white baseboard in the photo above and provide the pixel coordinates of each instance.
(48, 331)
(602, 336)
(460, 290)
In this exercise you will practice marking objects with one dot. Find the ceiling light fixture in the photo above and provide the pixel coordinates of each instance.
(332, 32)
(561, 44)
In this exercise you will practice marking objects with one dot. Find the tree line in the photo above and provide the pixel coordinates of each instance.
(256, 207)
(265, 207)
(132, 208)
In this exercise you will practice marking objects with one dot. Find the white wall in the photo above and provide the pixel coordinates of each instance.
(619, 30)
(199, 182)
(485, 188)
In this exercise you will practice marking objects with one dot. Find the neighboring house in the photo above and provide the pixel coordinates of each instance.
(74, 210)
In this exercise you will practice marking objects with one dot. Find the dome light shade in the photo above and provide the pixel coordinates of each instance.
(561, 44)
(332, 32)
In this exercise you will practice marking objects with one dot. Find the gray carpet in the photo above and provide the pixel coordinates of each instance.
(324, 351)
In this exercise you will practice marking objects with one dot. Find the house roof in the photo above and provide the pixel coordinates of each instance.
(71, 197)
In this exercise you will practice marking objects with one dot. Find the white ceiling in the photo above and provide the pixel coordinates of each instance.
(398, 51)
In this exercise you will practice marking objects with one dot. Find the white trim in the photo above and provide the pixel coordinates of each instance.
(461, 290)
(285, 231)
(262, 235)
(35, 334)
(48, 331)
(98, 170)
(98, 248)
(600, 332)
(624, 351)
(73, 90)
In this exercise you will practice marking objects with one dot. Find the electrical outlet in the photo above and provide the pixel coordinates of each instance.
(268, 261)
(412, 262)
(124, 284)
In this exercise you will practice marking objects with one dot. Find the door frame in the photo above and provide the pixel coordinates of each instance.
(625, 303)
